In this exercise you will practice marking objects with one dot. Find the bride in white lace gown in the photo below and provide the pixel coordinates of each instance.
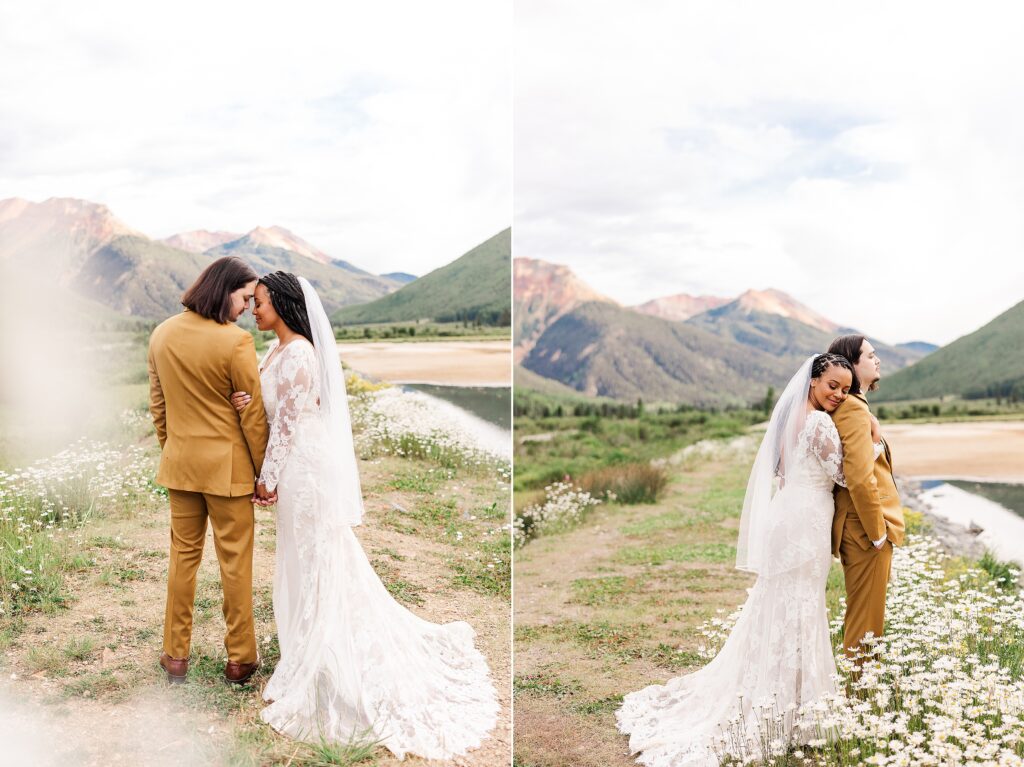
(355, 664)
(778, 653)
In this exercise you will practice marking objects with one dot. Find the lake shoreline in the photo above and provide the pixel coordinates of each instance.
(436, 363)
(956, 539)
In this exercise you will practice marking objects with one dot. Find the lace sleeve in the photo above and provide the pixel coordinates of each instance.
(295, 375)
(825, 445)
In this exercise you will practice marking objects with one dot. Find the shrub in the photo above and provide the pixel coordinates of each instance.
(626, 483)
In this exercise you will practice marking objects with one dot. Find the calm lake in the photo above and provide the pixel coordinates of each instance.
(996, 507)
(491, 403)
(483, 411)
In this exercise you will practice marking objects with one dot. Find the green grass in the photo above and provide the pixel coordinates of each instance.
(95, 685)
(544, 684)
(105, 542)
(412, 332)
(678, 552)
(490, 570)
(589, 443)
(418, 481)
(947, 409)
(617, 642)
(606, 590)
(207, 687)
(404, 591)
(597, 707)
(79, 648)
(118, 575)
(47, 659)
(1003, 574)
(323, 753)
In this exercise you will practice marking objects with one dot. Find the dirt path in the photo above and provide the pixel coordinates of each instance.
(613, 606)
(85, 683)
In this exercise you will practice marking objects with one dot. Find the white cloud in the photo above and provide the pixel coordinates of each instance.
(381, 132)
(864, 158)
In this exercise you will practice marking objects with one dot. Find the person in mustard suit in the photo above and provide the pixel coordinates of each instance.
(210, 457)
(869, 516)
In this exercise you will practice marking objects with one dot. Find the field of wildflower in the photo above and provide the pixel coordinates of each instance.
(636, 594)
(943, 686)
(392, 421)
(83, 542)
(44, 501)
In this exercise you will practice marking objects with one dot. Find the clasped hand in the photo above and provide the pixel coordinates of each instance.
(263, 497)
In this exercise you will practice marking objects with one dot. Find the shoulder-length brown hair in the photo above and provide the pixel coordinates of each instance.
(210, 294)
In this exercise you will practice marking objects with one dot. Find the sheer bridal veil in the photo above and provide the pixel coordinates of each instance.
(340, 480)
(759, 548)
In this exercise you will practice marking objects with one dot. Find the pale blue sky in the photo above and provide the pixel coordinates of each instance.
(864, 158)
(380, 132)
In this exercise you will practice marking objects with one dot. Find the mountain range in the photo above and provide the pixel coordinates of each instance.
(543, 293)
(83, 248)
(473, 288)
(704, 350)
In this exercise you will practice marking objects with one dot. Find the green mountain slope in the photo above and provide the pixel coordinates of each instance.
(987, 362)
(139, 277)
(528, 380)
(604, 349)
(474, 286)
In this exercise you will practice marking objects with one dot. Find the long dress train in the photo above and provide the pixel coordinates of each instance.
(355, 664)
(778, 654)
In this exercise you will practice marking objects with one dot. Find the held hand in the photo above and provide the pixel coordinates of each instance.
(263, 497)
(240, 400)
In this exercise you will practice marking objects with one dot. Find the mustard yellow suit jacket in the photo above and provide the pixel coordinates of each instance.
(206, 445)
(869, 506)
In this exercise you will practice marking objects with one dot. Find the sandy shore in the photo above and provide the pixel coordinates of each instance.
(982, 450)
(446, 363)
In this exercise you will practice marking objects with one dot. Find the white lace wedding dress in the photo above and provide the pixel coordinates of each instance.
(355, 664)
(778, 651)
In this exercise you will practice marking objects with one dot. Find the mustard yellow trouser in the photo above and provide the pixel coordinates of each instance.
(867, 575)
(233, 531)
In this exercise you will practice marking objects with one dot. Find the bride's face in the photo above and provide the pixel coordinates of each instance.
(263, 309)
(829, 390)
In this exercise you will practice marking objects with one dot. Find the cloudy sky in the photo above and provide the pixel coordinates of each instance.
(380, 132)
(865, 158)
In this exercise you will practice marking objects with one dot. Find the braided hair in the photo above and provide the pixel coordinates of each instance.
(288, 301)
(824, 361)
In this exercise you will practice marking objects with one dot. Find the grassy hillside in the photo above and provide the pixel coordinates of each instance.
(475, 288)
(603, 349)
(139, 277)
(986, 363)
(527, 380)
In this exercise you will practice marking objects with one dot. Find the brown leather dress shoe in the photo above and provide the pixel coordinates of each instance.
(176, 668)
(240, 673)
